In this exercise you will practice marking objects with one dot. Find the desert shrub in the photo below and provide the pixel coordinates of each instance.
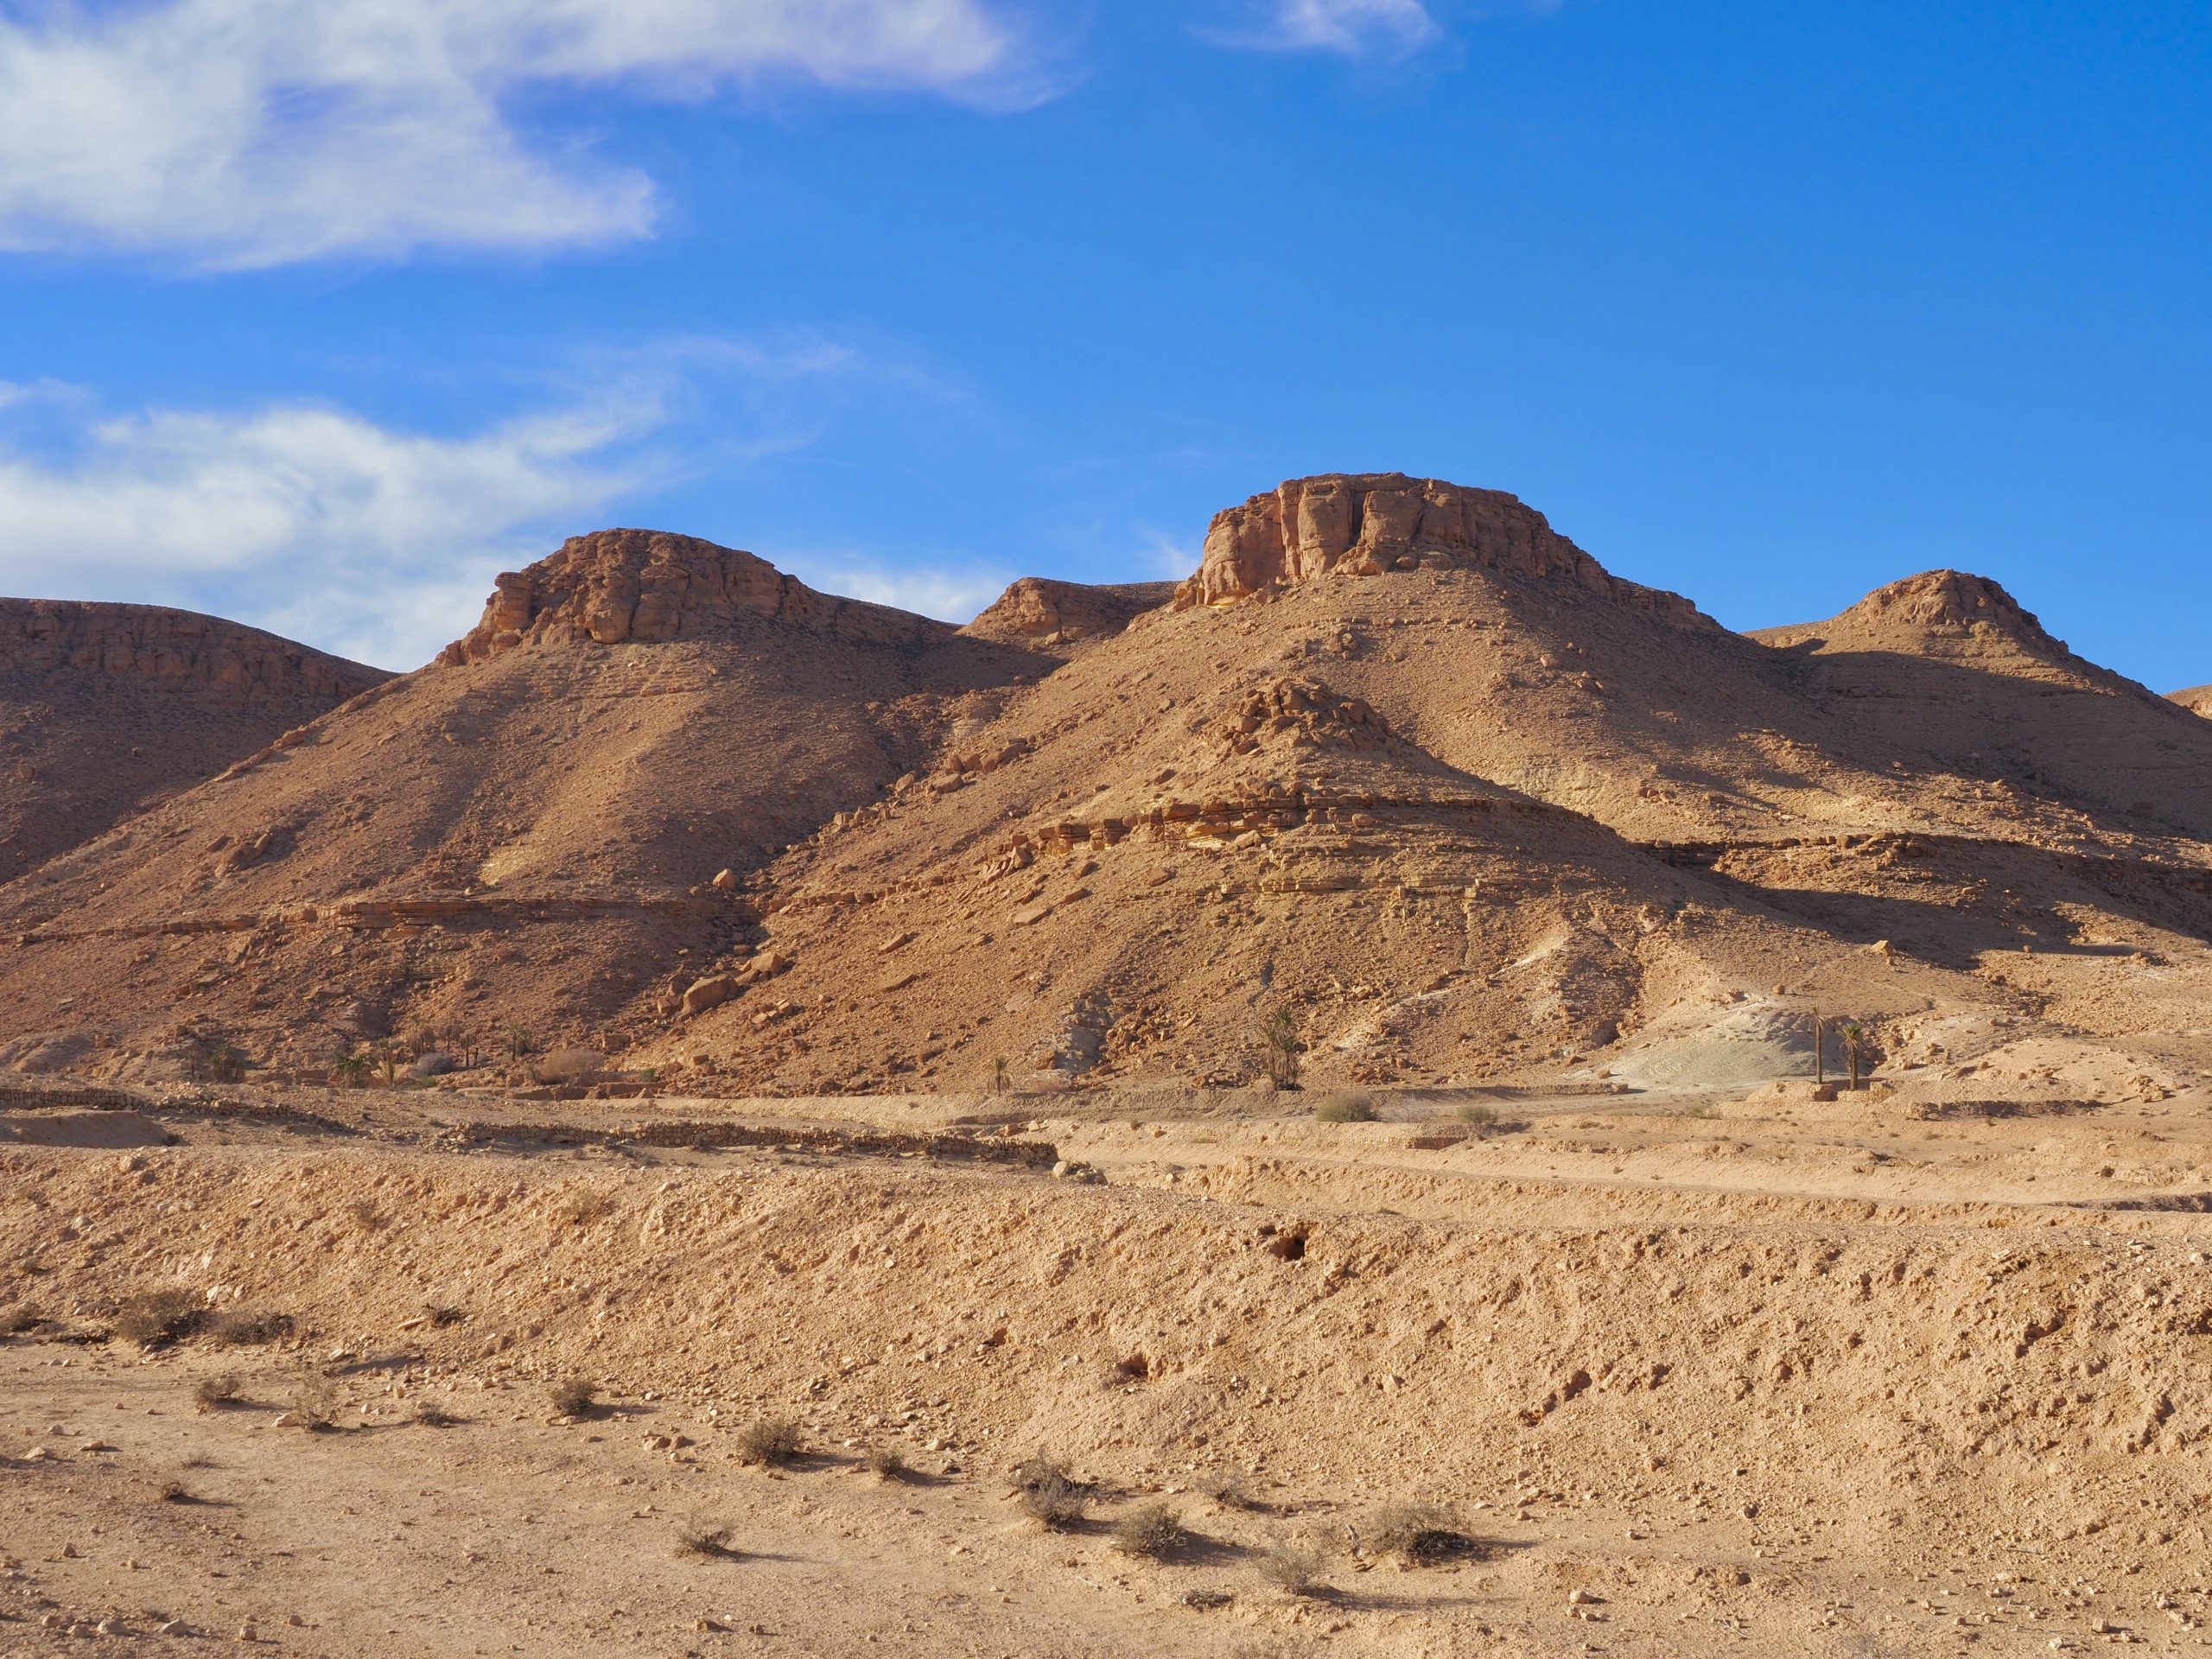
(1153, 1531)
(1050, 1494)
(888, 1463)
(442, 1314)
(153, 1317)
(20, 1317)
(364, 1215)
(247, 1327)
(700, 1536)
(769, 1441)
(429, 1414)
(521, 1042)
(1130, 1367)
(1419, 1533)
(1231, 1488)
(433, 1062)
(1345, 1107)
(175, 1492)
(350, 1070)
(568, 1065)
(1477, 1117)
(214, 1059)
(1291, 1568)
(214, 1393)
(315, 1400)
(572, 1396)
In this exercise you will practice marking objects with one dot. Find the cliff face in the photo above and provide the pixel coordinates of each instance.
(1372, 523)
(1037, 608)
(69, 638)
(646, 587)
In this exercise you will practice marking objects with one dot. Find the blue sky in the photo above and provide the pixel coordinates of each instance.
(316, 312)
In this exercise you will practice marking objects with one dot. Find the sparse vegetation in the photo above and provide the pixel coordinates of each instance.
(429, 1414)
(364, 1215)
(442, 1314)
(1419, 1534)
(175, 1492)
(243, 1327)
(521, 1042)
(20, 1317)
(214, 1393)
(1345, 1107)
(1050, 1494)
(154, 1316)
(1231, 1488)
(888, 1463)
(389, 1060)
(214, 1059)
(1857, 1046)
(1477, 1118)
(1001, 1082)
(1153, 1531)
(581, 1209)
(769, 1441)
(1283, 1045)
(315, 1400)
(350, 1069)
(711, 1538)
(1291, 1568)
(572, 1396)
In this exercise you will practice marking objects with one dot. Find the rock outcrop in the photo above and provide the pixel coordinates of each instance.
(1368, 524)
(2197, 699)
(1039, 610)
(646, 587)
(55, 640)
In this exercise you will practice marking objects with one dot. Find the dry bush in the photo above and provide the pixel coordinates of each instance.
(769, 1441)
(214, 1393)
(20, 1317)
(888, 1463)
(364, 1215)
(1153, 1531)
(1345, 1106)
(245, 1327)
(572, 1396)
(153, 1317)
(1231, 1488)
(1477, 1118)
(1293, 1568)
(315, 1400)
(568, 1065)
(176, 1491)
(1420, 1534)
(430, 1415)
(442, 1314)
(1050, 1494)
(711, 1538)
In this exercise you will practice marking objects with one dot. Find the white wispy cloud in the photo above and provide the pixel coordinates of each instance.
(242, 133)
(952, 593)
(1356, 28)
(380, 543)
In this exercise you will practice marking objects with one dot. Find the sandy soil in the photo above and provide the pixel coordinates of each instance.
(1693, 1373)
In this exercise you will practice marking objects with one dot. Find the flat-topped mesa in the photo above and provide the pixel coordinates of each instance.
(181, 649)
(1039, 609)
(1368, 524)
(643, 586)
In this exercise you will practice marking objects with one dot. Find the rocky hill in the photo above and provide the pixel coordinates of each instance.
(105, 708)
(1399, 764)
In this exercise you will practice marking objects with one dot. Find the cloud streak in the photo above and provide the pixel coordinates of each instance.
(1354, 28)
(380, 543)
(243, 133)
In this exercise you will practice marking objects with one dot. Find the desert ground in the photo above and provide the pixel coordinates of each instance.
(1404, 1096)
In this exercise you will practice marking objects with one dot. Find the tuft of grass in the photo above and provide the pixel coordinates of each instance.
(154, 1316)
(442, 1314)
(572, 1396)
(888, 1463)
(1050, 1494)
(1293, 1568)
(1420, 1534)
(710, 1539)
(1153, 1531)
(430, 1415)
(769, 1442)
(1346, 1107)
(214, 1393)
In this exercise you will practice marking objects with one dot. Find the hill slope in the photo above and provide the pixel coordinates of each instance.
(105, 709)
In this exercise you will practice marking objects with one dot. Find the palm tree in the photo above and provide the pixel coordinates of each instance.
(353, 1070)
(1852, 1036)
(1280, 1033)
